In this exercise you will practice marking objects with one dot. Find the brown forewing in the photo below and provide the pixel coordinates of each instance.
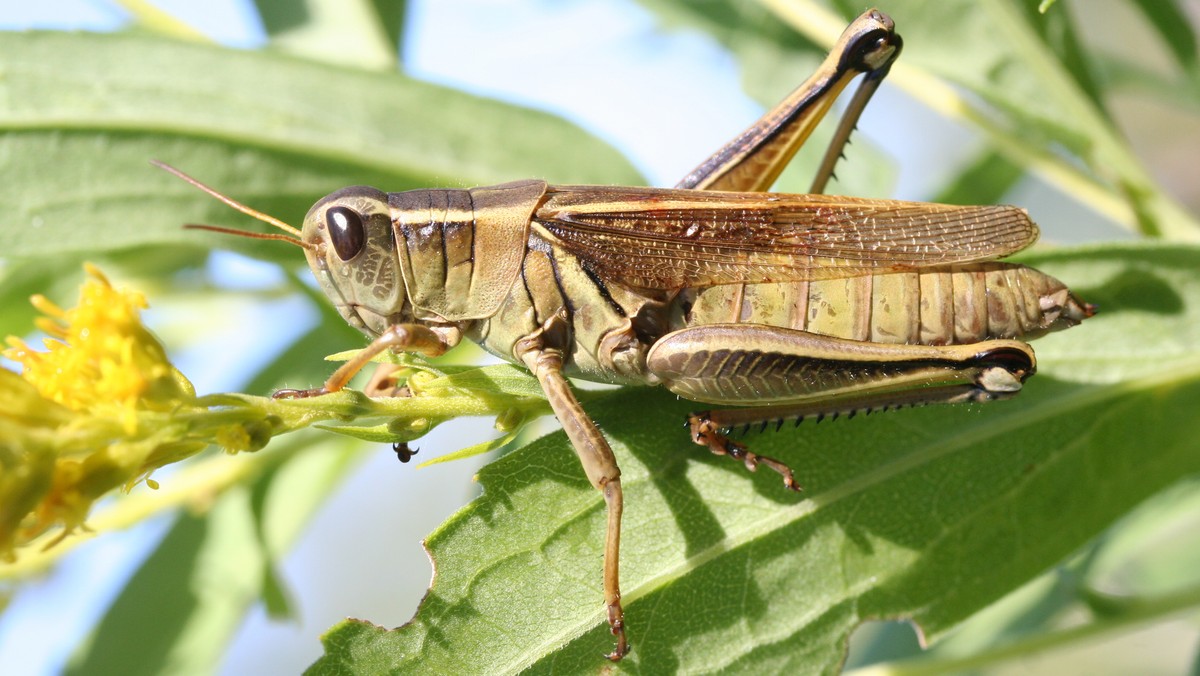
(669, 239)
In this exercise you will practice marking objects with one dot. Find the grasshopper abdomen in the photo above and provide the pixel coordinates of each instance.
(949, 305)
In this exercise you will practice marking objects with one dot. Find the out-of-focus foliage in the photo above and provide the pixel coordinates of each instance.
(931, 515)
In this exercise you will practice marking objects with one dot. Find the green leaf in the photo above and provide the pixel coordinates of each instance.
(1171, 21)
(1000, 53)
(985, 181)
(1126, 76)
(345, 32)
(1057, 32)
(383, 433)
(1149, 321)
(930, 514)
(774, 59)
(211, 567)
(1140, 570)
(76, 135)
(392, 16)
(81, 114)
(1155, 552)
(114, 642)
(1036, 107)
(480, 448)
(501, 380)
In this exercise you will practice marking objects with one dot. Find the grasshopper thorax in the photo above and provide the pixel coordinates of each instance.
(352, 253)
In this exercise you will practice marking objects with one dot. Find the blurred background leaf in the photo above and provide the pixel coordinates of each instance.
(1096, 136)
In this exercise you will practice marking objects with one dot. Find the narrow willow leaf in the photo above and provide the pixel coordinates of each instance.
(1149, 321)
(985, 181)
(1056, 30)
(994, 50)
(497, 379)
(76, 135)
(1128, 77)
(1171, 21)
(392, 16)
(1156, 550)
(478, 449)
(222, 555)
(774, 59)
(1036, 107)
(109, 652)
(930, 514)
(377, 434)
(341, 32)
(1151, 553)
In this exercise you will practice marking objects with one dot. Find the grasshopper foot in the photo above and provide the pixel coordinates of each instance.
(706, 433)
(616, 622)
(385, 382)
(299, 394)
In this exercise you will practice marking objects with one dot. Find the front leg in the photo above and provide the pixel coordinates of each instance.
(401, 338)
(546, 363)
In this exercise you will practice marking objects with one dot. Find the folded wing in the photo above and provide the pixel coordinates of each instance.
(669, 239)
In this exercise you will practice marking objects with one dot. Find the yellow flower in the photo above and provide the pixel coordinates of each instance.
(99, 409)
(101, 359)
(102, 407)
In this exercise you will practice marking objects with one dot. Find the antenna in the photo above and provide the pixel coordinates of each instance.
(294, 239)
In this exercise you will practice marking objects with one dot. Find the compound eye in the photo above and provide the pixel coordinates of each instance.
(346, 231)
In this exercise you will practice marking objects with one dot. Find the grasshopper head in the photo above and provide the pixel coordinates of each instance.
(350, 247)
(347, 238)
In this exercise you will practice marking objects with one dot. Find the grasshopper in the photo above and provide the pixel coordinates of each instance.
(783, 306)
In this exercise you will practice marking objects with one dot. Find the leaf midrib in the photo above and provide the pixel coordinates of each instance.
(371, 161)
